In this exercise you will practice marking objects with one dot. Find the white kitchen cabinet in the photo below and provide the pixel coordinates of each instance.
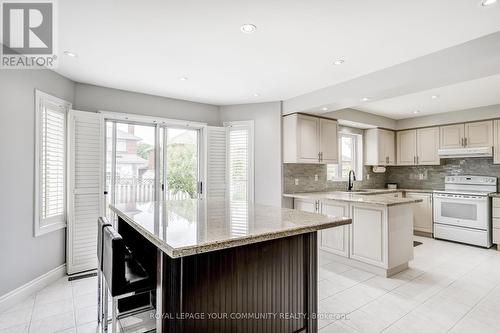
(407, 147)
(305, 205)
(496, 222)
(452, 136)
(496, 142)
(380, 147)
(479, 134)
(368, 236)
(335, 240)
(418, 147)
(428, 146)
(309, 139)
(468, 135)
(422, 212)
(328, 141)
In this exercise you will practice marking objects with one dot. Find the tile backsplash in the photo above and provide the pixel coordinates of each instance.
(417, 177)
(305, 173)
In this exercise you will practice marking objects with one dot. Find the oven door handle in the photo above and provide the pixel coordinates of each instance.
(469, 198)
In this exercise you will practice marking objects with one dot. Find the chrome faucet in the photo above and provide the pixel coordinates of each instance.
(350, 183)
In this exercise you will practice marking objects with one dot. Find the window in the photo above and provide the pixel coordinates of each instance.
(350, 158)
(50, 157)
(240, 160)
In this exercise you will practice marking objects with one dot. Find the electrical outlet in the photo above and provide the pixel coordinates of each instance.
(316, 178)
(367, 176)
(296, 181)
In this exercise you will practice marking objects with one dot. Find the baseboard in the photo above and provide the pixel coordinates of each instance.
(19, 294)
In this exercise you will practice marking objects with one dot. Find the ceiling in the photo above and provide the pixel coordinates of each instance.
(461, 96)
(148, 46)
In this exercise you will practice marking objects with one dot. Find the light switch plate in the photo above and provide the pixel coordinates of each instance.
(296, 181)
(316, 178)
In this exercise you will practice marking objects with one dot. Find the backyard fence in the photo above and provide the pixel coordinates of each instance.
(141, 190)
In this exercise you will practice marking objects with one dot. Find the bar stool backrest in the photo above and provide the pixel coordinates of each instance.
(113, 260)
(102, 223)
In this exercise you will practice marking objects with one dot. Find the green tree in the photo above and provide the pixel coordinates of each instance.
(142, 150)
(181, 168)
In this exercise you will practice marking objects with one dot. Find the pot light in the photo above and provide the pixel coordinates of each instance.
(416, 111)
(435, 96)
(486, 3)
(70, 54)
(365, 99)
(248, 28)
(183, 78)
(324, 109)
(256, 95)
(339, 62)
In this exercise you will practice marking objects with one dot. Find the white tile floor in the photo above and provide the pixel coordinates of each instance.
(448, 288)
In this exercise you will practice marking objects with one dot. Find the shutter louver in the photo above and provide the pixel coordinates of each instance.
(216, 162)
(52, 164)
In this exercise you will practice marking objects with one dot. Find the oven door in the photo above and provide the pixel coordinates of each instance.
(461, 210)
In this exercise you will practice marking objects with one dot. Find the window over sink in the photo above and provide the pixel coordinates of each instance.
(350, 158)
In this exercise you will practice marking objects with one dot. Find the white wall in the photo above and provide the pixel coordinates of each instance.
(485, 112)
(95, 98)
(22, 256)
(267, 129)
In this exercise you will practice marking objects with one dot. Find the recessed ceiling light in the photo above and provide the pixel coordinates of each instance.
(339, 62)
(256, 95)
(416, 111)
(486, 3)
(70, 54)
(248, 28)
(435, 96)
(365, 99)
(183, 78)
(324, 109)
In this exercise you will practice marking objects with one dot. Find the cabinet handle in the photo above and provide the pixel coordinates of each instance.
(417, 159)
(466, 139)
(462, 142)
(319, 157)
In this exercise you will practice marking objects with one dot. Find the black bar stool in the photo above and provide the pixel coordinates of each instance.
(102, 222)
(124, 276)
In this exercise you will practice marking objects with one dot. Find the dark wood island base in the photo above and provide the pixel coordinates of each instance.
(269, 286)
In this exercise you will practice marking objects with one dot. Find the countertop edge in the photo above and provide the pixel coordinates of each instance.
(224, 244)
(317, 196)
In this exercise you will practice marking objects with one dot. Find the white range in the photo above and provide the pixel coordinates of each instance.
(462, 212)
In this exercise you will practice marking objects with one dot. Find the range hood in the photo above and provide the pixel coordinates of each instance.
(466, 152)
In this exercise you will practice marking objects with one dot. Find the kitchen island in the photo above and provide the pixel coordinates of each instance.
(229, 265)
(380, 238)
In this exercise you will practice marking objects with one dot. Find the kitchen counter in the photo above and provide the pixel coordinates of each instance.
(186, 227)
(368, 197)
(210, 251)
(495, 195)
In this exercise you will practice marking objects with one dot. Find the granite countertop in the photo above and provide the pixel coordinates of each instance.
(365, 197)
(495, 195)
(186, 227)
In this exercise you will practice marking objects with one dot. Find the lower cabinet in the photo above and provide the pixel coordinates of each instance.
(496, 222)
(305, 205)
(335, 240)
(368, 236)
(422, 212)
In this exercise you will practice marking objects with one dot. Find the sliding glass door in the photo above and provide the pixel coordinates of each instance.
(143, 160)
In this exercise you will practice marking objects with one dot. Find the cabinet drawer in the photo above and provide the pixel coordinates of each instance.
(496, 202)
(496, 211)
(496, 236)
(496, 223)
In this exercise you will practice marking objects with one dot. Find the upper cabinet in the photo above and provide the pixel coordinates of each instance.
(418, 147)
(496, 142)
(380, 147)
(469, 135)
(309, 139)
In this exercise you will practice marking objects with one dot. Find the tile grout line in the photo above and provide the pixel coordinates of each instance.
(439, 291)
(32, 311)
(474, 306)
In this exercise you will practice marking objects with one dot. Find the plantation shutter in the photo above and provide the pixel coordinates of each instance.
(216, 162)
(53, 164)
(85, 203)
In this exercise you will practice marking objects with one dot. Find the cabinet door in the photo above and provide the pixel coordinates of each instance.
(496, 142)
(428, 146)
(368, 237)
(335, 240)
(407, 147)
(328, 141)
(479, 134)
(389, 147)
(452, 136)
(422, 212)
(308, 139)
(305, 205)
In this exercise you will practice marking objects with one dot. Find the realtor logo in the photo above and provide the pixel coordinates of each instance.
(28, 35)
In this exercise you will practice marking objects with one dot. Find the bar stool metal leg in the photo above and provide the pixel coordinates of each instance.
(104, 325)
(99, 297)
(114, 320)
